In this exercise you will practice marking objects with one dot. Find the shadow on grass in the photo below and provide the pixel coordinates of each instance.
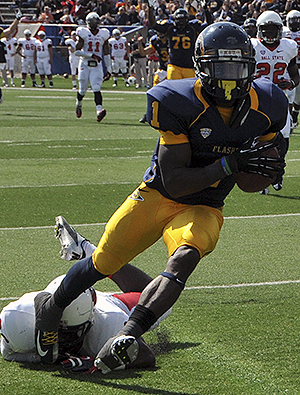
(284, 196)
(161, 347)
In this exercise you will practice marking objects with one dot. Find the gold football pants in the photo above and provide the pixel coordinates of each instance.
(177, 73)
(144, 217)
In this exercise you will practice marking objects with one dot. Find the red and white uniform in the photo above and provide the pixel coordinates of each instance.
(296, 37)
(43, 62)
(118, 54)
(91, 70)
(273, 63)
(11, 46)
(73, 59)
(110, 314)
(28, 47)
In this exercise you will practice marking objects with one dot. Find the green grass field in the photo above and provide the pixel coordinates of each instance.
(234, 330)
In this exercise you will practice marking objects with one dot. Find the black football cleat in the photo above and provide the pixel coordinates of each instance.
(78, 111)
(117, 352)
(47, 321)
(101, 115)
(143, 119)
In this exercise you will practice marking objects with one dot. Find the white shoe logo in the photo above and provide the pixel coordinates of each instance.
(39, 350)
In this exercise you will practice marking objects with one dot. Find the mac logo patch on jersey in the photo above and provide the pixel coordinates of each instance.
(205, 132)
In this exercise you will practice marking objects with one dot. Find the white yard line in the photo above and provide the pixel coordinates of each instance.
(222, 286)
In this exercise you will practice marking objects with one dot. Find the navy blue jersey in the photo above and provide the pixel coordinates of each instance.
(161, 48)
(181, 42)
(183, 107)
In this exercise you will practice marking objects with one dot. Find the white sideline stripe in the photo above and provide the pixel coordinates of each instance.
(242, 285)
(78, 184)
(69, 185)
(104, 223)
(245, 285)
(67, 97)
(37, 142)
(70, 91)
(75, 159)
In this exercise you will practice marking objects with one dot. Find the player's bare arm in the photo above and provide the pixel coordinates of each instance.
(131, 279)
(144, 51)
(151, 16)
(79, 44)
(106, 48)
(19, 51)
(294, 72)
(11, 29)
(50, 54)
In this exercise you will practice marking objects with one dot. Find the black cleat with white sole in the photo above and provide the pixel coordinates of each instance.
(117, 353)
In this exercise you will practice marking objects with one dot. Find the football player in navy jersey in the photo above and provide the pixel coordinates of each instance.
(159, 44)
(182, 35)
(207, 126)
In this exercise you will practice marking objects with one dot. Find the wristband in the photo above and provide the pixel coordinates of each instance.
(293, 85)
(225, 166)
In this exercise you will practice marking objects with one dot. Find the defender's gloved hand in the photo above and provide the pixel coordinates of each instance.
(78, 364)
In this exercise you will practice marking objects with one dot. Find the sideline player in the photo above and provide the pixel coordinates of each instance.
(276, 60)
(43, 57)
(158, 43)
(92, 41)
(3, 64)
(10, 31)
(207, 126)
(182, 35)
(73, 59)
(26, 48)
(11, 46)
(292, 31)
(250, 27)
(119, 56)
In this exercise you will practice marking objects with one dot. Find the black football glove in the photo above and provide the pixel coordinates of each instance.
(96, 57)
(78, 364)
(248, 159)
(286, 84)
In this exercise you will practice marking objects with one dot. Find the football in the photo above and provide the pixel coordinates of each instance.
(132, 80)
(248, 182)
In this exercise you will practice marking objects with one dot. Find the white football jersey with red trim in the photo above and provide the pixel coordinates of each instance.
(18, 326)
(42, 51)
(118, 47)
(93, 43)
(27, 46)
(293, 36)
(273, 63)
